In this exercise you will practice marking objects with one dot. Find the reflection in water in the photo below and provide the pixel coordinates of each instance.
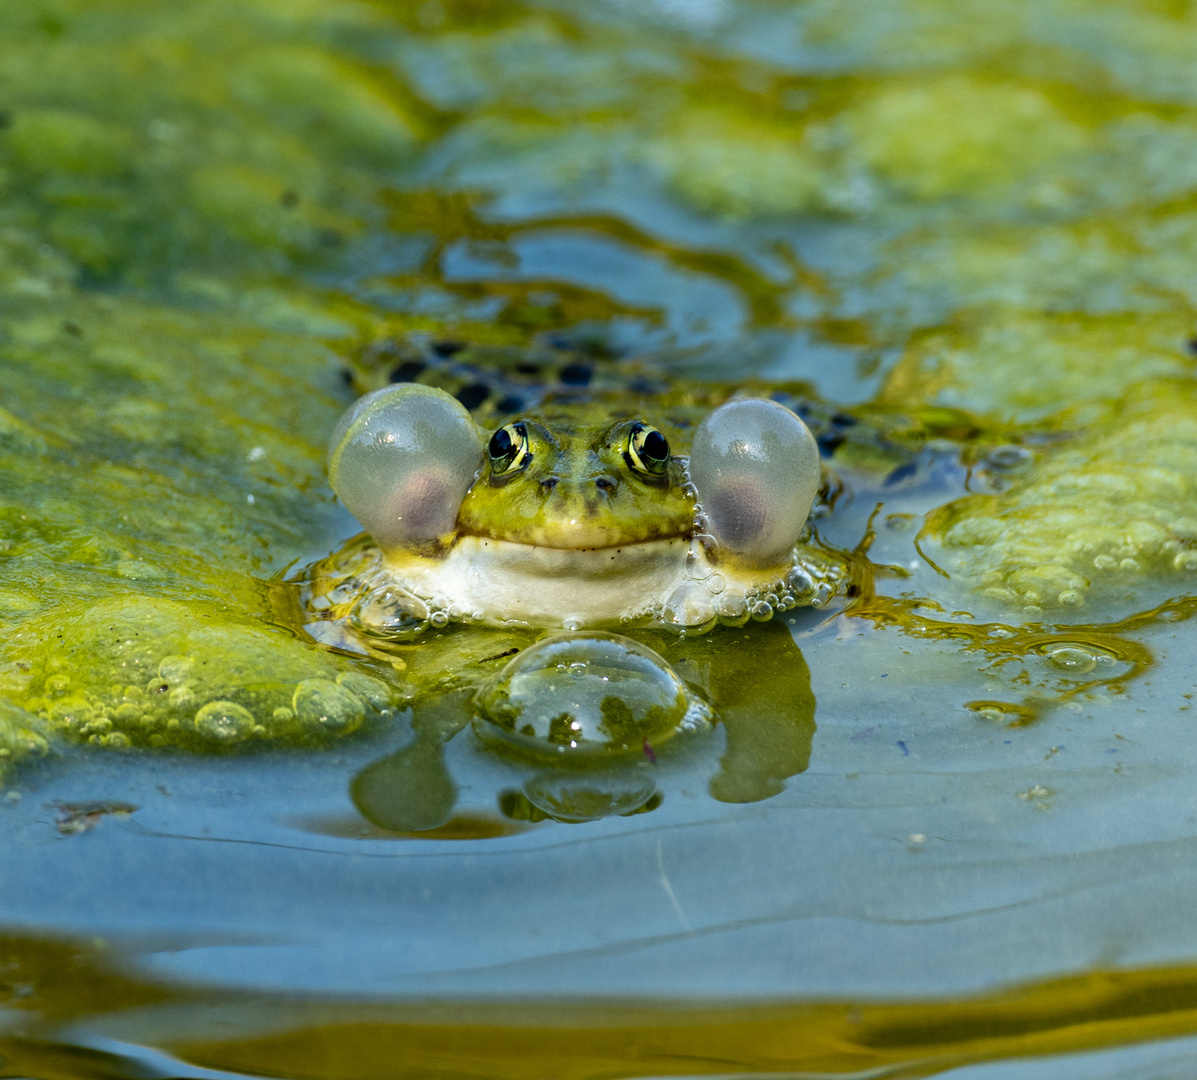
(758, 685)
(411, 790)
(77, 1009)
(569, 797)
(616, 719)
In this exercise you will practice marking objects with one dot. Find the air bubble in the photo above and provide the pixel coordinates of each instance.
(761, 611)
(732, 609)
(321, 705)
(224, 722)
(689, 605)
(372, 690)
(620, 694)
(1073, 659)
(174, 669)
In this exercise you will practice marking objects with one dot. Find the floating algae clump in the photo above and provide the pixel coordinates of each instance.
(142, 672)
(1026, 366)
(1100, 512)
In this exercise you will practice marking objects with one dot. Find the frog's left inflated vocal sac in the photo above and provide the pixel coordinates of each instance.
(577, 514)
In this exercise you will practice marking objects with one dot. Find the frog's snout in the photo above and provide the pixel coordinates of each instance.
(584, 490)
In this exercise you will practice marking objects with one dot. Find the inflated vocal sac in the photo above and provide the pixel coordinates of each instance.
(401, 460)
(756, 468)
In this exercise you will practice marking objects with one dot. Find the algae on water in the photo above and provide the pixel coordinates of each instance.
(203, 204)
(1100, 512)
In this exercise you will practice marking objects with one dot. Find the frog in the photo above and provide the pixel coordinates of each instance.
(671, 518)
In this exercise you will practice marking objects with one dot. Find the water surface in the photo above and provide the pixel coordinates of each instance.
(978, 214)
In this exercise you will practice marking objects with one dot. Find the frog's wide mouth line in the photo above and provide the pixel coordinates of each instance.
(613, 549)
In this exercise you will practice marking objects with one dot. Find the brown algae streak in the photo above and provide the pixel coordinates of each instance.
(1070, 652)
(76, 987)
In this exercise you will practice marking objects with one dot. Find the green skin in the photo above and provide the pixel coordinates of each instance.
(577, 484)
(753, 677)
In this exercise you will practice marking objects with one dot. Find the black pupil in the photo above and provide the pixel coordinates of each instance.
(500, 444)
(656, 446)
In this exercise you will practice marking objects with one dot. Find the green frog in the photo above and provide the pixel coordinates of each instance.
(500, 540)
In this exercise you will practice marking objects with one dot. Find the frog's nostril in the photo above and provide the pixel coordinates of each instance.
(604, 483)
(547, 485)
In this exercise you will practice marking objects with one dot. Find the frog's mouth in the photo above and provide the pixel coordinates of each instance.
(581, 536)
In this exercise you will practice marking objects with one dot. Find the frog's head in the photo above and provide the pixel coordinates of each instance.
(411, 465)
(579, 476)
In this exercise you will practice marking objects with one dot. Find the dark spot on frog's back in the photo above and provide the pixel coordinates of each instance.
(509, 404)
(473, 395)
(446, 349)
(830, 441)
(576, 374)
(408, 371)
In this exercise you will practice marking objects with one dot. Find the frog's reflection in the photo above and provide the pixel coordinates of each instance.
(753, 681)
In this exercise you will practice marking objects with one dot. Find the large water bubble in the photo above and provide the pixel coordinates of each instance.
(575, 697)
(402, 460)
(756, 468)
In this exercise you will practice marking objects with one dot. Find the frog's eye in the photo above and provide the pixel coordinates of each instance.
(508, 449)
(756, 468)
(648, 450)
(402, 460)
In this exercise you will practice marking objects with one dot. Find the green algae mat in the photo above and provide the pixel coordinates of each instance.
(959, 235)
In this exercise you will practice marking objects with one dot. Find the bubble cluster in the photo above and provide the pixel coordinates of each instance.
(1104, 511)
(708, 598)
(152, 673)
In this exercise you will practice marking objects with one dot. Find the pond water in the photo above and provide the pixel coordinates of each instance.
(969, 225)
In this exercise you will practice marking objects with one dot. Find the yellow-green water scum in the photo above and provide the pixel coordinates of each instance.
(985, 207)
